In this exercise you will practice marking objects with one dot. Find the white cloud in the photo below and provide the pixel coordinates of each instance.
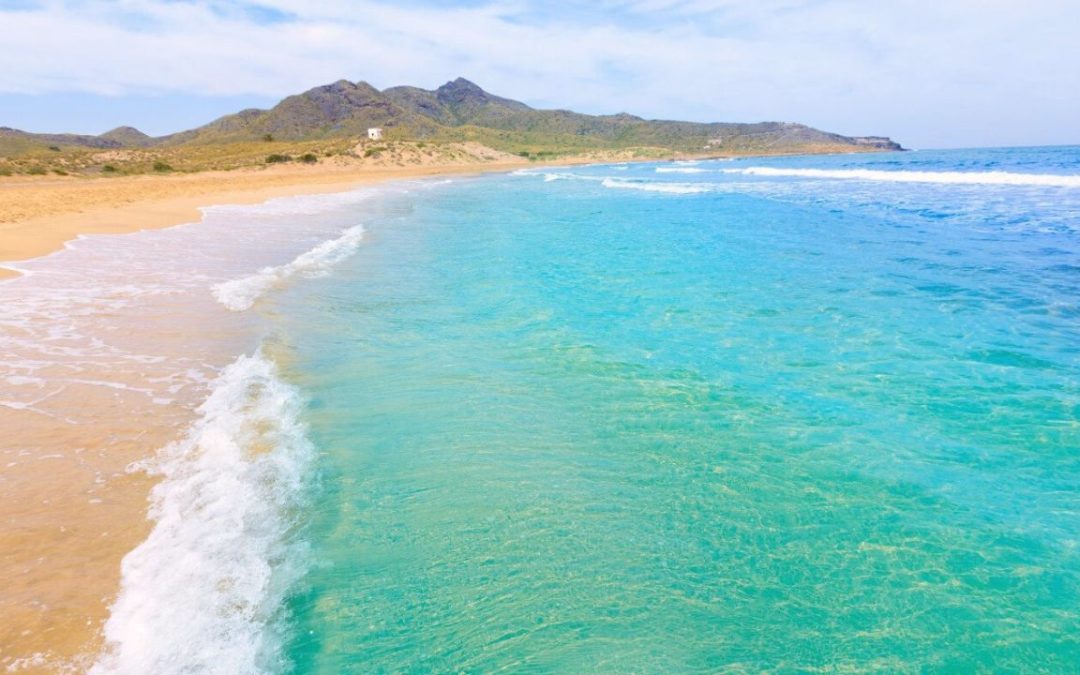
(928, 72)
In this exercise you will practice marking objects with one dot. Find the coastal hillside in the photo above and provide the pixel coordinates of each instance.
(332, 117)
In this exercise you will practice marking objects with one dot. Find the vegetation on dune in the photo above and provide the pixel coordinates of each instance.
(468, 146)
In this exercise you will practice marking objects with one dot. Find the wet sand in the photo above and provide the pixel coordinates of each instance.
(70, 513)
(70, 507)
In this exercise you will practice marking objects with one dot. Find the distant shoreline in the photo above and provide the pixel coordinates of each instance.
(39, 215)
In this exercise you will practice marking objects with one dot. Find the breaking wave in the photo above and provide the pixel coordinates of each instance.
(670, 188)
(241, 294)
(204, 592)
(679, 169)
(946, 177)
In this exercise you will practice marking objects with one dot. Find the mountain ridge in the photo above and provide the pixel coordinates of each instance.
(461, 110)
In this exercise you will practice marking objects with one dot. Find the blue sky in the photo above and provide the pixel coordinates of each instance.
(941, 73)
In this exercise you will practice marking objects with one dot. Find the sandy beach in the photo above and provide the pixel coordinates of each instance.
(37, 215)
(60, 559)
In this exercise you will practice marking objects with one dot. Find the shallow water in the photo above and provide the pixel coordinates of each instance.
(666, 418)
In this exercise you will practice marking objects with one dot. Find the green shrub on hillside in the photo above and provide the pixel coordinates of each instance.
(37, 171)
(162, 166)
(309, 158)
(108, 168)
(276, 158)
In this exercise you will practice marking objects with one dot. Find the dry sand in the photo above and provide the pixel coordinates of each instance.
(38, 215)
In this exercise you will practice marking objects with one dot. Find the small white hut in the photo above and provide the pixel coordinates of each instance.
(374, 133)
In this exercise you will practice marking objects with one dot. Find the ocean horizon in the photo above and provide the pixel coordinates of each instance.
(790, 414)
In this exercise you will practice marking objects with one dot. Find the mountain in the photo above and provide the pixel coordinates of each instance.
(127, 136)
(340, 109)
(16, 138)
(469, 104)
(461, 110)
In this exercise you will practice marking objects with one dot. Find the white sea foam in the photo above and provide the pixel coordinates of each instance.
(241, 294)
(203, 593)
(295, 205)
(554, 176)
(947, 177)
(670, 188)
(679, 169)
(551, 176)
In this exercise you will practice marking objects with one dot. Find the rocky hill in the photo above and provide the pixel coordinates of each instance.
(128, 137)
(15, 138)
(461, 111)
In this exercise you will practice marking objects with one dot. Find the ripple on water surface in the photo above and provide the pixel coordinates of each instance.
(776, 421)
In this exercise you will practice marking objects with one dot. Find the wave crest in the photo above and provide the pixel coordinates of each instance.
(204, 592)
(680, 169)
(669, 188)
(945, 177)
(241, 294)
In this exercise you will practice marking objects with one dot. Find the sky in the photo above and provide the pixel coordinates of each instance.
(929, 73)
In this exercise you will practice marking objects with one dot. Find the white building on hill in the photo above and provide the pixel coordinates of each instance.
(374, 133)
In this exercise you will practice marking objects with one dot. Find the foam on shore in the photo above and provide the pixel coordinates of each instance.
(204, 592)
(111, 344)
(241, 294)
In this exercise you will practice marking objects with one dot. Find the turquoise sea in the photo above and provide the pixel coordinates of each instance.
(805, 414)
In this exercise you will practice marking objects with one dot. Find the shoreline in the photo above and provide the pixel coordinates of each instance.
(73, 509)
(43, 216)
(39, 216)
